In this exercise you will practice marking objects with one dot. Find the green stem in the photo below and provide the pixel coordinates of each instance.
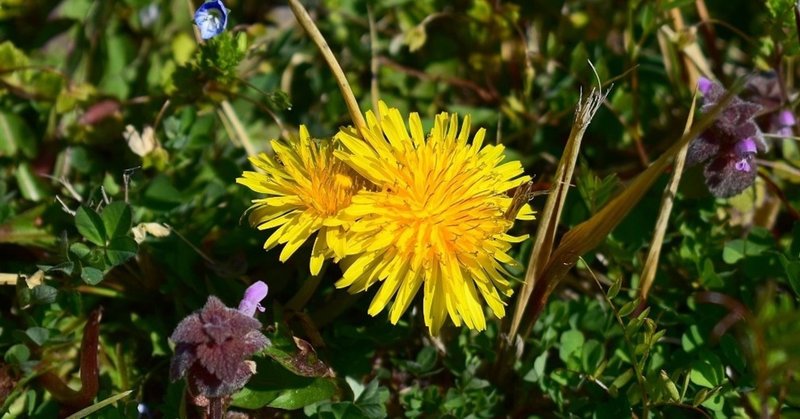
(350, 100)
(238, 128)
(306, 291)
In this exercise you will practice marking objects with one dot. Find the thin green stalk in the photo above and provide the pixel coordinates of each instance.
(637, 368)
(311, 29)
(238, 128)
(228, 114)
(306, 291)
(373, 47)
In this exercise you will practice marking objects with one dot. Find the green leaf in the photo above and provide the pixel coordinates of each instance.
(296, 355)
(87, 412)
(415, 37)
(372, 401)
(571, 340)
(15, 136)
(592, 353)
(117, 219)
(90, 225)
(161, 193)
(38, 335)
(120, 249)
(43, 294)
(792, 269)
(17, 354)
(25, 229)
(794, 249)
(91, 276)
(80, 250)
(692, 339)
(708, 371)
(733, 251)
(537, 372)
(29, 183)
(628, 307)
(622, 379)
(756, 243)
(614, 290)
(274, 386)
(670, 386)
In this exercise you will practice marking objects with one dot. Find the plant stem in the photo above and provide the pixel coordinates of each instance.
(238, 128)
(306, 291)
(373, 47)
(349, 99)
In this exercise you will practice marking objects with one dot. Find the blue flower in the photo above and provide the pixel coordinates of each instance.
(211, 17)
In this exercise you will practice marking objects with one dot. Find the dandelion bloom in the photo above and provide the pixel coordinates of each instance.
(438, 216)
(306, 188)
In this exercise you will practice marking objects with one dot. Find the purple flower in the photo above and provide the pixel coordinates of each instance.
(212, 349)
(782, 123)
(729, 146)
(252, 298)
(211, 18)
(765, 90)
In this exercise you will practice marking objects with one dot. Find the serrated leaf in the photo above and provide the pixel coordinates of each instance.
(116, 219)
(90, 225)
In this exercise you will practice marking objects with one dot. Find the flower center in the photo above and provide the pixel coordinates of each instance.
(332, 186)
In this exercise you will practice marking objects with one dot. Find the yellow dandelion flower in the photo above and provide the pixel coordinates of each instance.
(306, 187)
(437, 216)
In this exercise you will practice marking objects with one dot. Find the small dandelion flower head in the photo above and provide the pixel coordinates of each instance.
(305, 189)
(437, 218)
(211, 18)
(729, 146)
